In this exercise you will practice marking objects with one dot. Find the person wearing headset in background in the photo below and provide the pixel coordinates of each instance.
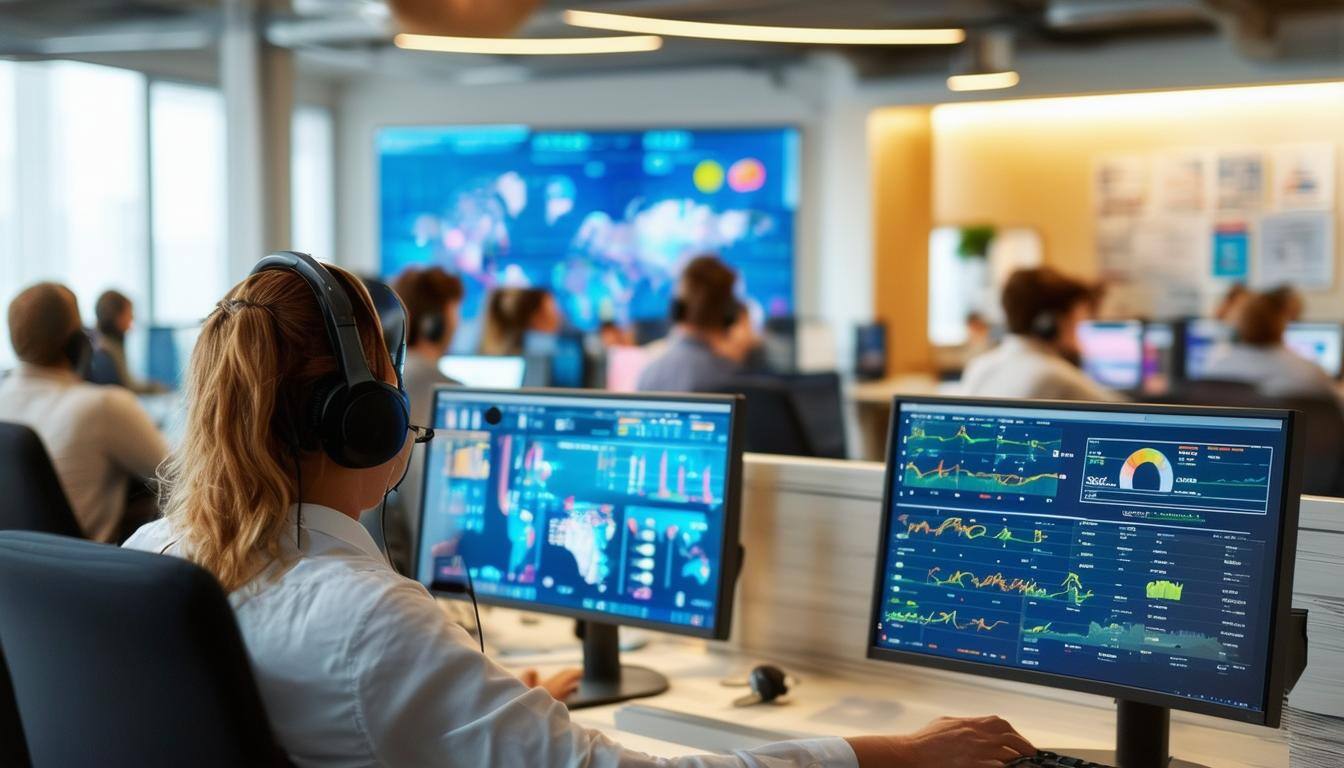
(713, 335)
(357, 665)
(114, 314)
(100, 439)
(1038, 357)
(432, 299)
(513, 313)
(1258, 356)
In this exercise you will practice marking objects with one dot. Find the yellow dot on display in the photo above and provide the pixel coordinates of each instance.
(708, 176)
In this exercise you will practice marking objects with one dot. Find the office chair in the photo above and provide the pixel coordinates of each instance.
(773, 422)
(34, 498)
(121, 658)
(821, 408)
(13, 747)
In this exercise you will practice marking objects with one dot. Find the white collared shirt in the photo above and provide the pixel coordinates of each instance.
(99, 437)
(1021, 367)
(1276, 370)
(359, 667)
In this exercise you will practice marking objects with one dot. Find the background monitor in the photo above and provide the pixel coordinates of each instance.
(1320, 343)
(1202, 337)
(608, 508)
(1160, 357)
(169, 353)
(1112, 352)
(1139, 552)
(604, 218)
(492, 371)
(870, 350)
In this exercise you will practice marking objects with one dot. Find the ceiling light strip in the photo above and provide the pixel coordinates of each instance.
(987, 81)
(616, 22)
(522, 46)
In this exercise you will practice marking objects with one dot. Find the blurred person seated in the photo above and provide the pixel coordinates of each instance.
(1258, 355)
(101, 441)
(1038, 358)
(114, 315)
(512, 314)
(433, 301)
(1231, 303)
(713, 335)
(611, 334)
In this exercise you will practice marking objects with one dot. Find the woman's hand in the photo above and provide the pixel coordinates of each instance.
(559, 685)
(948, 742)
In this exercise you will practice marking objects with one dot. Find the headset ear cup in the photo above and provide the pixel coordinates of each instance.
(370, 426)
(678, 311)
(431, 327)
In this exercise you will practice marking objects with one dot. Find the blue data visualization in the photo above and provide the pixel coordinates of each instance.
(595, 504)
(1135, 549)
(606, 219)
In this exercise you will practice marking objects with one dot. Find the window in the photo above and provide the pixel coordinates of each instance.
(313, 192)
(76, 139)
(187, 142)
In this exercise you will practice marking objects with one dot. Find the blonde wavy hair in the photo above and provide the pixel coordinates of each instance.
(228, 487)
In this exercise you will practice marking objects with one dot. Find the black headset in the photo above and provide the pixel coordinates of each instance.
(1045, 325)
(360, 420)
(680, 312)
(432, 327)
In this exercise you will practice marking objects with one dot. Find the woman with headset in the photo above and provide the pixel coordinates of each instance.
(1039, 357)
(296, 423)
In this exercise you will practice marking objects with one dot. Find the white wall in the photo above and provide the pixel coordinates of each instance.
(834, 240)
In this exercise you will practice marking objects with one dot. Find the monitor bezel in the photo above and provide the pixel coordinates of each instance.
(732, 551)
(1270, 711)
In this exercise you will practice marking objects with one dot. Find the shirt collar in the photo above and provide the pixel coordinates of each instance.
(339, 526)
(28, 370)
(1019, 342)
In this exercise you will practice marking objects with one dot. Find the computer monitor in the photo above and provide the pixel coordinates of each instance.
(491, 371)
(870, 350)
(169, 352)
(1139, 552)
(1112, 352)
(1320, 343)
(1202, 337)
(611, 509)
(1161, 359)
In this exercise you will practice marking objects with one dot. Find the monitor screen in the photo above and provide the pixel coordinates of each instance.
(617, 509)
(1113, 352)
(1202, 337)
(169, 353)
(488, 371)
(604, 218)
(1123, 550)
(1318, 342)
(1159, 357)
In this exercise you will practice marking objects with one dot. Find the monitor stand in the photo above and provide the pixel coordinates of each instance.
(1141, 739)
(605, 680)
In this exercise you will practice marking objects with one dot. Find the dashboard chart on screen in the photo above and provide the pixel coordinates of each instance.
(1121, 547)
(599, 504)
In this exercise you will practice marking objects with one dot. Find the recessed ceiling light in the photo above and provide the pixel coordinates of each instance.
(617, 22)
(535, 46)
(984, 81)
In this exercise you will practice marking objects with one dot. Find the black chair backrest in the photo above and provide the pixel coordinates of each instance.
(125, 658)
(773, 423)
(821, 407)
(13, 747)
(34, 500)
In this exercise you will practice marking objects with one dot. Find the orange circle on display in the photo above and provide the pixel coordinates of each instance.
(746, 175)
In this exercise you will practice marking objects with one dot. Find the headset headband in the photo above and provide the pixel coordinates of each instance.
(337, 313)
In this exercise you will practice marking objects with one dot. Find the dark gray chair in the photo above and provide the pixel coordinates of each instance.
(125, 659)
(33, 500)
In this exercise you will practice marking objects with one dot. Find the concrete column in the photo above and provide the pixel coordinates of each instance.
(258, 84)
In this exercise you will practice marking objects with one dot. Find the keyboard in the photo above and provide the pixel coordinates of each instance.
(1045, 759)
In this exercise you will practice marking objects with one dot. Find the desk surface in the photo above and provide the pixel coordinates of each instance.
(836, 702)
